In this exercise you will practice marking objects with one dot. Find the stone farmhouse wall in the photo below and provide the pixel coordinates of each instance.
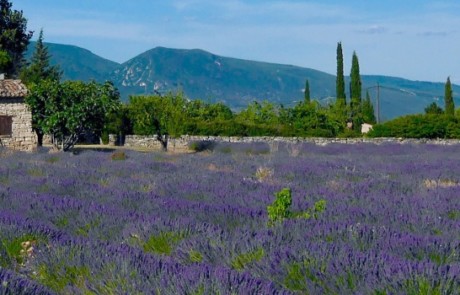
(182, 144)
(23, 138)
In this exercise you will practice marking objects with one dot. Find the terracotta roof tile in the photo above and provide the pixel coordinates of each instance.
(12, 88)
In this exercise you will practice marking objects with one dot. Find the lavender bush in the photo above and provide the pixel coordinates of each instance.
(156, 223)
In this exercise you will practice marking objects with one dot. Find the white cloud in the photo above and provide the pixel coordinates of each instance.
(373, 29)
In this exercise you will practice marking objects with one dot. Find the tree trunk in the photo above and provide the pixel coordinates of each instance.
(164, 141)
(39, 137)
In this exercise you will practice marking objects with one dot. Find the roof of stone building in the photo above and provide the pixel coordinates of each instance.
(12, 88)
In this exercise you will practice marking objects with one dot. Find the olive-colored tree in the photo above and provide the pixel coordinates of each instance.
(70, 109)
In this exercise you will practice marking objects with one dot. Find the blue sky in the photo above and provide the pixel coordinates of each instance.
(414, 39)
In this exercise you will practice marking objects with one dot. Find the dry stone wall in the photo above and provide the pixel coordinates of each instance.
(182, 144)
(23, 138)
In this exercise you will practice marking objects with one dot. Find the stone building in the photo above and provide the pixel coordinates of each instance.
(15, 117)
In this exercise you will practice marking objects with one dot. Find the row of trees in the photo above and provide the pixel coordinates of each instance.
(68, 110)
(174, 115)
(356, 111)
(435, 123)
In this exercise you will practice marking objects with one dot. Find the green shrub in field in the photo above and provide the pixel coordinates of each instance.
(58, 277)
(14, 252)
(195, 256)
(280, 209)
(162, 243)
(300, 276)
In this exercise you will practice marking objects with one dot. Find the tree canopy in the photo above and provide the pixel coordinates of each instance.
(14, 38)
(70, 109)
(158, 115)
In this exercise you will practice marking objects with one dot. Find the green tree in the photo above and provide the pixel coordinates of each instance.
(433, 109)
(368, 110)
(162, 116)
(449, 99)
(355, 93)
(36, 72)
(312, 120)
(340, 80)
(307, 91)
(355, 84)
(258, 119)
(70, 109)
(40, 69)
(5, 61)
(117, 123)
(14, 37)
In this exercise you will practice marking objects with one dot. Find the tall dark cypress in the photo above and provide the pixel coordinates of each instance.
(355, 84)
(340, 82)
(449, 99)
(307, 91)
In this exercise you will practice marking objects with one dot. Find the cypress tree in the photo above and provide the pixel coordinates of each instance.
(355, 85)
(307, 92)
(340, 81)
(40, 68)
(449, 99)
(368, 110)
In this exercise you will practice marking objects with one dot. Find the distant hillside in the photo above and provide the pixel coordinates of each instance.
(400, 97)
(213, 78)
(203, 75)
(78, 63)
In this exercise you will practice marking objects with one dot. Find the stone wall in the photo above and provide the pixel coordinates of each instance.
(182, 143)
(23, 138)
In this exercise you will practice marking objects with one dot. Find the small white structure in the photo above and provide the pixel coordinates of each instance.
(365, 128)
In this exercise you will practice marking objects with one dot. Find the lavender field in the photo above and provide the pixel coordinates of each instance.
(156, 223)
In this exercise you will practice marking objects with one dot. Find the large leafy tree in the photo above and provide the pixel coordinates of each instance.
(340, 82)
(14, 38)
(40, 68)
(158, 115)
(70, 109)
(449, 99)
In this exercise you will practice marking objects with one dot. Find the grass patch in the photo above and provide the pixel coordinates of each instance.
(242, 260)
(118, 156)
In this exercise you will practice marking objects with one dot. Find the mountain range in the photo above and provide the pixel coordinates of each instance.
(235, 82)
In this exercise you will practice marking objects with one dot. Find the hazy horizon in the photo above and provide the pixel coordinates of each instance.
(414, 39)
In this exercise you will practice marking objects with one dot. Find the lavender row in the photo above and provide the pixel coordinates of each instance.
(198, 222)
